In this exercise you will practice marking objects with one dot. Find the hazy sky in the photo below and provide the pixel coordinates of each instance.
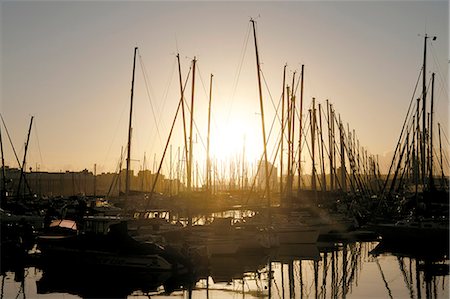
(69, 64)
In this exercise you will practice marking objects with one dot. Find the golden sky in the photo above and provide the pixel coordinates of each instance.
(69, 64)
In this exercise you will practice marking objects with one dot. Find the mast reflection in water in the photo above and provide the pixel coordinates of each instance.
(355, 270)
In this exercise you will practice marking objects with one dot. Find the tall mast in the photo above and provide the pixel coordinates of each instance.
(170, 171)
(282, 133)
(424, 101)
(300, 128)
(182, 110)
(418, 147)
(24, 156)
(333, 141)
(189, 164)
(440, 154)
(3, 191)
(120, 170)
(343, 171)
(413, 153)
(127, 177)
(258, 70)
(208, 159)
(313, 133)
(322, 162)
(431, 132)
(330, 145)
(291, 173)
(289, 139)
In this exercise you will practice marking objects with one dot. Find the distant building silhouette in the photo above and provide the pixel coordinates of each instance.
(83, 182)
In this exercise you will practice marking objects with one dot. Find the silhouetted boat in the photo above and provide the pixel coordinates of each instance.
(290, 230)
(432, 232)
(104, 242)
(152, 224)
(222, 237)
(420, 251)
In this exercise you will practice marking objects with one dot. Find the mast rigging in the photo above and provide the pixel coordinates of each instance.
(127, 177)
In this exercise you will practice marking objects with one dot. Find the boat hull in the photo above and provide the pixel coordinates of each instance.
(420, 234)
(79, 250)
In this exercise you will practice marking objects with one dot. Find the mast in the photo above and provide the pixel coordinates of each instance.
(351, 157)
(208, 159)
(333, 141)
(3, 191)
(282, 133)
(24, 156)
(289, 127)
(427, 142)
(343, 171)
(120, 170)
(313, 133)
(413, 153)
(424, 101)
(330, 144)
(431, 182)
(291, 173)
(258, 70)
(418, 148)
(182, 109)
(170, 171)
(300, 129)
(324, 186)
(162, 160)
(189, 164)
(127, 177)
(440, 153)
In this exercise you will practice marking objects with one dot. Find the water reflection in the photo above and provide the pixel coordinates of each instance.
(423, 268)
(354, 270)
(96, 283)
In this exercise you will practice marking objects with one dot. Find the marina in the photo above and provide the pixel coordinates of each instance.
(297, 208)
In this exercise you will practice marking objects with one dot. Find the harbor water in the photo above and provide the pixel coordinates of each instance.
(322, 270)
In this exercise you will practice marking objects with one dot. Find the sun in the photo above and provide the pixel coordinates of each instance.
(236, 138)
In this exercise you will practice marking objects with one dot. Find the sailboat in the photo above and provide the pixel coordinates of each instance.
(104, 241)
(433, 232)
(423, 220)
(287, 229)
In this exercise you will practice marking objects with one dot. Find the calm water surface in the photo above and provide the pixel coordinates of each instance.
(357, 270)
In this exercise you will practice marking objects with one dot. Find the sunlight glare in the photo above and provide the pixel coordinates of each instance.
(228, 141)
